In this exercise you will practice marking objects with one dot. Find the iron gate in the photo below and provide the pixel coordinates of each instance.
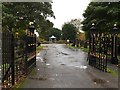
(30, 51)
(102, 48)
(18, 57)
(7, 59)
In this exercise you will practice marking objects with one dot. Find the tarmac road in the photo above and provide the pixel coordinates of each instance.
(61, 67)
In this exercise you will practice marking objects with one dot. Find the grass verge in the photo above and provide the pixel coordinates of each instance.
(39, 48)
(82, 48)
(113, 72)
(24, 81)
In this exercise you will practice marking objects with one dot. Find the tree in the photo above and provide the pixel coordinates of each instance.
(69, 32)
(18, 15)
(56, 32)
(76, 23)
(103, 14)
(44, 29)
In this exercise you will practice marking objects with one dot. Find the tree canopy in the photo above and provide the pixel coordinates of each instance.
(103, 14)
(69, 32)
(17, 15)
(76, 23)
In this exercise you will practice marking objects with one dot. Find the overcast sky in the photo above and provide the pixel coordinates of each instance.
(65, 10)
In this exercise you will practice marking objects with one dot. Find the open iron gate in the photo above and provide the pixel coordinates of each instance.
(7, 59)
(102, 48)
(18, 57)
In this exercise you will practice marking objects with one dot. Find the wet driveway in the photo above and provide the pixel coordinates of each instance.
(62, 67)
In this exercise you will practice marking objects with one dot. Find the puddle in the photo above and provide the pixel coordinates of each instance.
(62, 64)
(47, 64)
(84, 67)
(52, 79)
(56, 74)
(81, 67)
(39, 58)
(99, 81)
(42, 60)
(64, 53)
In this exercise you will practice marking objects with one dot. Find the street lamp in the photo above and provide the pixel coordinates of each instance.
(93, 28)
(114, 59)
(91, 44)
(92, 32)
(31, 28)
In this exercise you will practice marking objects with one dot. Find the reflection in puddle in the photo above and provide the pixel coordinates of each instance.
(56, 74)
(39, 58)
(99, 81)
(81, 67)
(47, 64)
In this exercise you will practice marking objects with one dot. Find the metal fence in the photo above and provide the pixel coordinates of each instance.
(18, 57)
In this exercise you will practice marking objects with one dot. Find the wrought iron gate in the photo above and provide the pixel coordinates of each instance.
(102, 48)
(18, 57)
(30, 51)
(7, 59)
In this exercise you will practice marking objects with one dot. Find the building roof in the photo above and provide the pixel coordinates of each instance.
(52, 36)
